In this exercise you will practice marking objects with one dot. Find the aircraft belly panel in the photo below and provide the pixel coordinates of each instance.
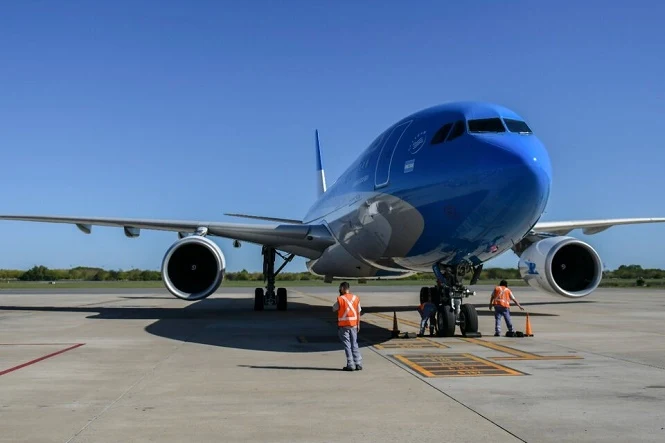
(337, 261)
(370, 233)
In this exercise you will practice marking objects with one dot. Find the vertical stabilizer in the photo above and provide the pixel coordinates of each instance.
(319, 166)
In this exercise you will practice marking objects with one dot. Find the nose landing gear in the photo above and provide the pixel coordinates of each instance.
(447, 295)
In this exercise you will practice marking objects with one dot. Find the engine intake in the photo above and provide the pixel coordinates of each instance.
(193, 268)
(564, 266)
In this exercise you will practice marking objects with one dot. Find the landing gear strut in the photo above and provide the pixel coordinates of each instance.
(270, 297)
(448, 295)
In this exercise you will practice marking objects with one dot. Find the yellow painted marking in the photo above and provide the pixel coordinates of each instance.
(516, 353)
(496, 365)
(497, 347)
(417, 343)
(418, 368)
(441, 345)
(455, 365)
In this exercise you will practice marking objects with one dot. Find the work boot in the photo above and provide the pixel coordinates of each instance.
(347, 368)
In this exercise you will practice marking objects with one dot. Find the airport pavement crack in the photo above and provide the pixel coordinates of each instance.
(133, 385)
(105, 302)
(409, 371)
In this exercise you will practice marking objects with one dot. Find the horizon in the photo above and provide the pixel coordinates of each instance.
(164, 110)
(486, 268)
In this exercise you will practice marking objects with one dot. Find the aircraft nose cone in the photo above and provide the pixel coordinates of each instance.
(532, 170)
(524, 178)
(531, 186)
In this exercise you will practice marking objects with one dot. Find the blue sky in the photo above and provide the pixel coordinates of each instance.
(188, 110)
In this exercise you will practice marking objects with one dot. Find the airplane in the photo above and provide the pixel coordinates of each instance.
(443, 190)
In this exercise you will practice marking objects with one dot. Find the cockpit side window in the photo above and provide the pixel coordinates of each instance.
(517, 126)
(486, 125)
(457, 130)
(441, 134)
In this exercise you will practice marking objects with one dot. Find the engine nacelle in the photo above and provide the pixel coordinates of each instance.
(564, 266)
(193, 268)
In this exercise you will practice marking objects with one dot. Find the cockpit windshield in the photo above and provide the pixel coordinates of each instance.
(486, 125)
(517, 126)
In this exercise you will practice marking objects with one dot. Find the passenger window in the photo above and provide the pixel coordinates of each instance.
(457, 130)
(441, 134)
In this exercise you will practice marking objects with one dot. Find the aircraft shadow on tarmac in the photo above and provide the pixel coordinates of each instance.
(231, 323)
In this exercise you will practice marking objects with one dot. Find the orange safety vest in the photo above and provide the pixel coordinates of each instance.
(501, 297)
(349, 305)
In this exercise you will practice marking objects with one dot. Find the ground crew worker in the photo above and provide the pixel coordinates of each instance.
(348, 310)
(426, 310)
(500, 302)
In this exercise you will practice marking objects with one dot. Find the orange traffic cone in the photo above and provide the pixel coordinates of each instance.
(528, 332)
(395, 331)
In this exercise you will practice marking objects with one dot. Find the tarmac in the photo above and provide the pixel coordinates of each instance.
(141, 365)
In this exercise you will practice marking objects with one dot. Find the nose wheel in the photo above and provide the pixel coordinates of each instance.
(468, 319)
(448, 296)
(445, 321)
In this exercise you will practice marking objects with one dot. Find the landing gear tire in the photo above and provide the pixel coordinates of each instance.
(281, 299)
(468, 319)
(258, 299)
(271, 297)
(445, 321)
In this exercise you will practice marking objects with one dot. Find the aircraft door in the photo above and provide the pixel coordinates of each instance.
(382, 175)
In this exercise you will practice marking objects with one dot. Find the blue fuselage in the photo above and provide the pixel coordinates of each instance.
(455, 183)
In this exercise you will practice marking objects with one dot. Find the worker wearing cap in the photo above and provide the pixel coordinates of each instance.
(500, 302)
(348, 310)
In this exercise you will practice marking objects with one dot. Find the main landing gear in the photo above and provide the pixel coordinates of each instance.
(448, 295)
(270, 297)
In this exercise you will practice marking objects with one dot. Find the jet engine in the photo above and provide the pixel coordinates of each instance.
(193, 268)
(564, 266)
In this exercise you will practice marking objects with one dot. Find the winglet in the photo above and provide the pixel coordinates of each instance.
(319, 166)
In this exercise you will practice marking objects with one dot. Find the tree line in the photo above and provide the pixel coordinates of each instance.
(42, 273)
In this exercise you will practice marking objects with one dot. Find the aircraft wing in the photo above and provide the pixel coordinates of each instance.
(301, 239)
(589, 227)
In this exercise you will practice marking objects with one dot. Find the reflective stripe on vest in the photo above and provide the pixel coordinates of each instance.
(348, 310)
(501, 297)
